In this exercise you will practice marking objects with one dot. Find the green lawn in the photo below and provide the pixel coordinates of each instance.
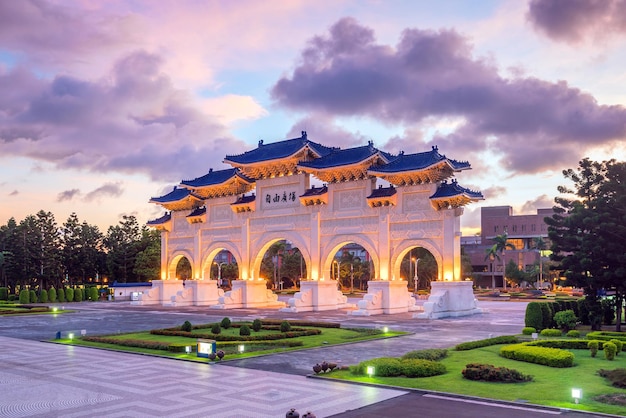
(329, 336)
(551, 386)
(7, 309)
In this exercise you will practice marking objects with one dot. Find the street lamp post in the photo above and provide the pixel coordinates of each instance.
(351, 278)
(415, 279)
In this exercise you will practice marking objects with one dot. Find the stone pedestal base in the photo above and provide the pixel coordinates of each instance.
(317, 296)
(205, 292)
(248, 294)
(450, 299)
(385, 297)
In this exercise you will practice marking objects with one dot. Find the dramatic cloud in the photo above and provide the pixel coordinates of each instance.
(106, 190)
(574, 20)
(133, 121)
(541, 202)
(428, 76)
(67, 195)
(14, 193)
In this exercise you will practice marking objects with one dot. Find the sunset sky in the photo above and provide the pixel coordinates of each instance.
(105, 104)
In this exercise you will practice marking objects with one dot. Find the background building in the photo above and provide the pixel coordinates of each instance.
(522, 232)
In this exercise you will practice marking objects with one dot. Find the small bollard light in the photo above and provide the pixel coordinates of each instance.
(385, 329)
(534, 335)
(70, 335)
(187, 349)
(370, 371)
(577, 394)
(241, 348)
(54, 309)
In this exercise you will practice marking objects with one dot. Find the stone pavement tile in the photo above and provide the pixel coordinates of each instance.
(49, 380)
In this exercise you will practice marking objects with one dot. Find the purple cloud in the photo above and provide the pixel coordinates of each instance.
(574, 20)
(541, 202)
(106, 190)
(67, 195)
(432, 75)
(133, 121)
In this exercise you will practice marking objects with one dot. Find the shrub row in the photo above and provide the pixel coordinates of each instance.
(504, 339)
(432, 354)
(607, 336)
(546, 356)
(295, 333)
(490, 373)
(551, 332)
(155, 345)
(302, 323)
(62, 295)
(395, 367)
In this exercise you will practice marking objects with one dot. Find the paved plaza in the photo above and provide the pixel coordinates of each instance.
(49, 380)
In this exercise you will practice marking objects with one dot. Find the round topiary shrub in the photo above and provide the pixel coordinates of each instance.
(216, 329)
(619, 345)
(490, 373)
(4, 293)
(78, 295)
(24, 297)
(186, 327)
(33, 296)
(533, 316)
(609, 351)
(573, 333)
(285, 326)
(256, 325)
(43, 296)
(225, 323)
(61, 295)
(528, 330)
(244, 330)
(593, 347)
(93, 293)
(565, 320)
(551, 332)
(52, 295)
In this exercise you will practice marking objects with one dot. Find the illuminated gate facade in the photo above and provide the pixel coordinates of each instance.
(386, 203)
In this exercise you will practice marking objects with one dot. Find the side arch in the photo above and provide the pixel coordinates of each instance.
(405, 246)
(331, 247)
(175, 258)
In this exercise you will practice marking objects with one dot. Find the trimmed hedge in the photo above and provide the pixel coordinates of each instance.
(609, 350)
(4, 293)
(491, 373)
(69, 294)
(78, 295)
(534, 317)
(433, 354)
(607, 336)
(294, 333)
(61, 295)
(52, 295)
(551, 332)
(43, 296)
(552, 357)
(24, 297)
(578, 344)
(504, 339)
(395, 367)
(528, 330)
(33, 296)
(573, 333)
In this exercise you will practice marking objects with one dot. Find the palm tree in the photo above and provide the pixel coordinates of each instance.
(540, 246)
(502, 244)
(491, 255)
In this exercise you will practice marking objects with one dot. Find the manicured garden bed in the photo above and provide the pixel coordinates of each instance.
(549, 386)
(270, 339)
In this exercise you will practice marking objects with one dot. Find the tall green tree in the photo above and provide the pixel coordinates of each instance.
(148, 260)
(588, 229)
(82, 249)
(122, 244)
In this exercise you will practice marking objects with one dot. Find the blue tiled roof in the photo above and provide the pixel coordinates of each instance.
(383, 192)
(161, 220)
(215, 177)
(446, 189)
(174, 196)
(315, 191)
(197, 212)
(278, 150)
(245, 199)
(421, 160)
(339, 157)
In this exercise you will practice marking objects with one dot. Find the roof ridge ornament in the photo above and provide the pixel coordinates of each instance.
(303, 135)
(260, 142)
